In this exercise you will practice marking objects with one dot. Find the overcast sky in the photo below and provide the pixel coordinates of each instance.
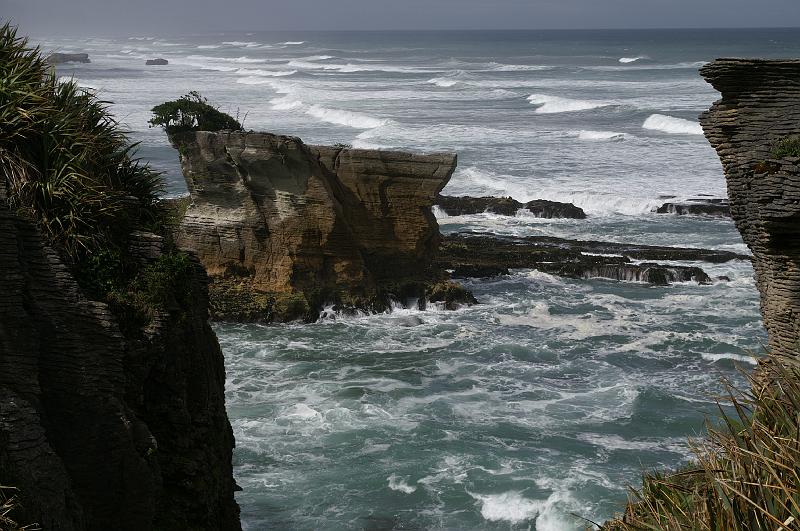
(139, 17)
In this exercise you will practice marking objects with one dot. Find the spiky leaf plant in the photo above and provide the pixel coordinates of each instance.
(746, 474)
(9, 501)
(64, 160)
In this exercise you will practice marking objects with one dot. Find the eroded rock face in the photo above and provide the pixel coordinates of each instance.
(271, 217)
(760, 106)
(98, 431)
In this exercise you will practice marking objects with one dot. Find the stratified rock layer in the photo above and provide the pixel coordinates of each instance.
(272, 215)
(98, 431)
(760, 106)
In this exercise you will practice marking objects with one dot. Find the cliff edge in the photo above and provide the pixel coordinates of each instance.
(100, 429)
(760, 110)
(283, 227)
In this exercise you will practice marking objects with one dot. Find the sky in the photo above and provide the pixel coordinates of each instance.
(137, 17)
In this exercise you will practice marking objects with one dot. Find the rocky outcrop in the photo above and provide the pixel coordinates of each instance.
(507, 206)
(760, 107)
(104, 430)
(485, 255)
(156, 62)
(61, 58)
(698, 207)
(283, 227)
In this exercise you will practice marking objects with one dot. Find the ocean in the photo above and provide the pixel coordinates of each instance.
(538, 406)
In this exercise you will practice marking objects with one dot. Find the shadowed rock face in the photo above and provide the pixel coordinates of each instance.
(276, 216)
(760, 106)
(507, 206)
(98, 431)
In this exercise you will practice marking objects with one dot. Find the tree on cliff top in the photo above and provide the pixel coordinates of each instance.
(192, 113)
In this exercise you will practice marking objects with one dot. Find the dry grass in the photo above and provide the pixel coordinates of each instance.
(746, 474)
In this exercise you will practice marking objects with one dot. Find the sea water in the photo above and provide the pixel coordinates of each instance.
(541, 404)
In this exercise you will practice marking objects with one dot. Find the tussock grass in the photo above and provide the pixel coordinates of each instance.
(746, 473)
(9, 502)
(64, 160)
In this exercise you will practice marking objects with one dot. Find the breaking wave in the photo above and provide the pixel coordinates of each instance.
(672, 125)
(556, 104)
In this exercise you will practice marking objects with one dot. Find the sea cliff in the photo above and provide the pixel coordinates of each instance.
(759, 109)
(283, 227)
(101, 429)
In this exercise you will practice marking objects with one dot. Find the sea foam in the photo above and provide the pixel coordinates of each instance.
(672, 125)
(348, 118)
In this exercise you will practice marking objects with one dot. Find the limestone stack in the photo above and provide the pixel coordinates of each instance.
(760, 107)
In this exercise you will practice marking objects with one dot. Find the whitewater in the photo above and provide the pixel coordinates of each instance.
(544, 401)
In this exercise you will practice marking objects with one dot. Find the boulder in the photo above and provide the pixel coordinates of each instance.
(700, 206)
(156, 62)
(542, 208)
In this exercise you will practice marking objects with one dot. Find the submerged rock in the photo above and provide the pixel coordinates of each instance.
(156, 62)
(479, 255)
(700, 206)
(283, 227)
(758, 111)
(61, 58)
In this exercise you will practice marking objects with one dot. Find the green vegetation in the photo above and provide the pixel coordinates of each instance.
(191, 113)
(787, 147)
(746, 474)
(64, 160)
(66, 165)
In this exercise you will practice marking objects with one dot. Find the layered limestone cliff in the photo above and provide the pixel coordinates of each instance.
(283, 227)
(100, 430)
(759, 109)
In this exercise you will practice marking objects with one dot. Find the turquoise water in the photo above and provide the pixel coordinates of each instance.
(548, 398)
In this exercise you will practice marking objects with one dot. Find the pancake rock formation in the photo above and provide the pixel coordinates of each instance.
(758, 114)
(104, 430)
(283, 227)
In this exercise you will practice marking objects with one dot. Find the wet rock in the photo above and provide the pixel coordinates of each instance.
(703, 207)
(471, 254)
(451, 294)
(466, 205)
(553, 209)
(507, 206)
(61, 58)
(759, 108)
(156, 62)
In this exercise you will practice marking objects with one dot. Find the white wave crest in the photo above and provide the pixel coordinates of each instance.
(627, 60)
(347, 118)
(672, 125)
(600, 135)
(209, 46)
(292, 43)
(556, 104)
(500, 67)
(286, 103)
(400, 485)
(265, 73)
(734, 357)
(443, 82)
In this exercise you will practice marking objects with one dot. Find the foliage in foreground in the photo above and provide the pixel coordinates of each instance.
(746, 475)
(191, 112)
(64, 159)
(66, 164)
(9, 501)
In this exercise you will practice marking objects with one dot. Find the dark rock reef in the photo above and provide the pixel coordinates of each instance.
(61, 58)
(759, 111)
(283, 227)
(486, 255)
(507, 206)
(699, 206)
(156, 62)
(104, 430)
